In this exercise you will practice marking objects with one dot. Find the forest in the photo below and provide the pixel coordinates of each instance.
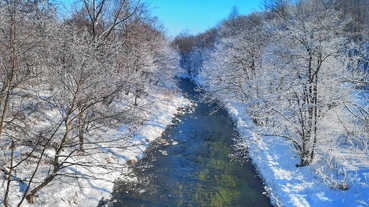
(299, 71)
(77, 86)
(66, 80)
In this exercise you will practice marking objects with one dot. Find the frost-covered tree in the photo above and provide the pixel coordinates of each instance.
(288, 69)
(104, 17)
(237, 59)
(82, 83)
(23, 35)
(357, 134)
(277, 7)
(145, 57)
(194, 50)
(357, 9)
(65, 83)
(184, 44)
(23, 44)
(308, 75)
(92, 82)
(234, 13)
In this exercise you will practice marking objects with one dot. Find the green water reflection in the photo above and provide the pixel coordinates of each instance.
(197, 171)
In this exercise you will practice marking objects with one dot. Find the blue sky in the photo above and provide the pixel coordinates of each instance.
(197, 15)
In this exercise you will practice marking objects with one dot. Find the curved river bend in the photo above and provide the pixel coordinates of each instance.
(190, 165)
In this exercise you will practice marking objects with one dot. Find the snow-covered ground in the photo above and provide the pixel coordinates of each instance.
(288, 185)
(88, 191)
(273, 157)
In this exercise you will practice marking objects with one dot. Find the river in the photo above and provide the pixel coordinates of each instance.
(190, 165)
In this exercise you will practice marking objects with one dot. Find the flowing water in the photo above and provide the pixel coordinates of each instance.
(190, 165)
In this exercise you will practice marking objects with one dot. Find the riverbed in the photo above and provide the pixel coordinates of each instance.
(190, 165)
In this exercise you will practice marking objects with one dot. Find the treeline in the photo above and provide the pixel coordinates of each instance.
(62, 81)
(296, 67)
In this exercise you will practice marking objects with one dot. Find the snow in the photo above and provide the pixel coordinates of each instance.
(89, 192)
(288, 185)
(273, 157)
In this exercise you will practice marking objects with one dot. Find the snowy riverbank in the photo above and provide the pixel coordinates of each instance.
(288, 185)
(273, 158)
(89, 190)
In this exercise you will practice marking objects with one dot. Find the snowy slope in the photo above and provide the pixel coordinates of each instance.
(288, 185)
(88, 191)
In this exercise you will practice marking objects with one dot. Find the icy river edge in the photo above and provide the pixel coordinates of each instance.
(190, 164)
(274, 160)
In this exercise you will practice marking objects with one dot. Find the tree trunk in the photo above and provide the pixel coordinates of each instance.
(81, 137)
(81, 130)
(315, 115)
(31, 195)
(56, 165)
(10, 173)
(304, 159)
(308, 129)
(12, 74)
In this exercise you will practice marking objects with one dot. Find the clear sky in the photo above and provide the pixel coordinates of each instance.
(193, 15)
(197, 15)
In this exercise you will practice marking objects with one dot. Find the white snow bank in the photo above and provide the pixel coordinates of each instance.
(166, 108)
(288, 185)
(88, 191)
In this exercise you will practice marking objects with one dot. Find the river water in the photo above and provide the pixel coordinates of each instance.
(190, 165)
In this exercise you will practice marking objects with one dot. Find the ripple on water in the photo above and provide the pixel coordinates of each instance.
(195, 170)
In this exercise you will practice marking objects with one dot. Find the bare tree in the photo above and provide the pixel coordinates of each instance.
(106, 16)
(24, 37)
(82, 95)
(357, 9)
(184, 44)
(234, 13)
(83, 84)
